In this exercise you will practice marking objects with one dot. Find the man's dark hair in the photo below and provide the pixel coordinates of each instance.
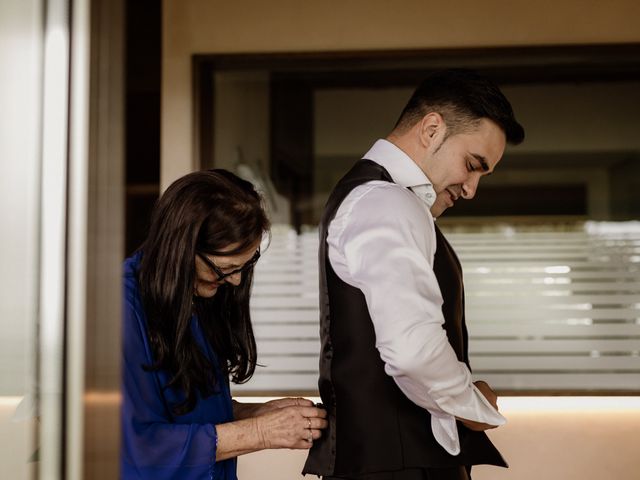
(462, 97)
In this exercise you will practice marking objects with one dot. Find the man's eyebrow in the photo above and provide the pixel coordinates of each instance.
(483, 162)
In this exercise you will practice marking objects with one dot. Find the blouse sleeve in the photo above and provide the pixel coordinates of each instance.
(153, 446)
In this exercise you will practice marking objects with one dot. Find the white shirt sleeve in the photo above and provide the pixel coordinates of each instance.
(382, 241)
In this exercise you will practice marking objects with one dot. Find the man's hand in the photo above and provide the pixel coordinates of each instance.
(490, 395)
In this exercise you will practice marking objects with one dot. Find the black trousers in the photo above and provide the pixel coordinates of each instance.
(455, 473)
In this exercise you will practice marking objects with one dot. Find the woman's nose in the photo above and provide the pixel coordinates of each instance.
(234, 279)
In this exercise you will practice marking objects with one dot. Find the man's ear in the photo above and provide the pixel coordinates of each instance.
(431, 128)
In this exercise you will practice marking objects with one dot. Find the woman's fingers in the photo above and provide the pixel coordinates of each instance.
(293, 401)
(287, 402)
(307, 442)
(303, 402)
(313, 429)
(313, 412)
(317, 423)
(312, 426)
(292, 426)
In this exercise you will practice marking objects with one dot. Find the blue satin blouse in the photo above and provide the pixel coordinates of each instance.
(156, 444)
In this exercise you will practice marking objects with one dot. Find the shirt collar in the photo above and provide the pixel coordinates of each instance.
(402, 169)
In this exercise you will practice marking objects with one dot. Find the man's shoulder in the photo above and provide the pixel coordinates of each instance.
(379, 204)
(379, 197)
(379, 190)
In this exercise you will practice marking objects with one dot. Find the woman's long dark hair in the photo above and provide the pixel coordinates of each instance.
(200, 212)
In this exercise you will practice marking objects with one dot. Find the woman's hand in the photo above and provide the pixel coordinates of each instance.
(289, 425)
(281, 403)
(282, 425)
(248, 410)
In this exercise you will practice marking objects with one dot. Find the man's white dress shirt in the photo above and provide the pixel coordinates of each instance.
(382, 241)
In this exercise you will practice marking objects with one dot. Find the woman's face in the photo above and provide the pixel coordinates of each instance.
(206, 283)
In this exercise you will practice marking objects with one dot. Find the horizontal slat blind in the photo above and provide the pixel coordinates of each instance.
(546, 310)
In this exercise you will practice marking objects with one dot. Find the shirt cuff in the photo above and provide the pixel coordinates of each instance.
(443, 423)
(473, 406)
(445, 431)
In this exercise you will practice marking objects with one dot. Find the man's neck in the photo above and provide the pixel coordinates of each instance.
(408, 147)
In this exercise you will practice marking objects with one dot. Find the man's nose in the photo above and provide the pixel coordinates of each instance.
(470, 186)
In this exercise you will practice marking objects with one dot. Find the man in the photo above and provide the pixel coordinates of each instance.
(399, 396)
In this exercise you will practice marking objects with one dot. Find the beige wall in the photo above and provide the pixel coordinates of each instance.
(545, 438)
(254, 26)
(558, 118)
(588, 445)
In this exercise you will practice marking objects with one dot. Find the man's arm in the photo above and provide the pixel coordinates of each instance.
(385, 249)
(492, 397)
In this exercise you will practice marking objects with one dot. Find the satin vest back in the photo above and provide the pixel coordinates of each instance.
(373, 426)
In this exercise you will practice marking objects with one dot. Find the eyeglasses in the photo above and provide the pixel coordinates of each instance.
(249, 264)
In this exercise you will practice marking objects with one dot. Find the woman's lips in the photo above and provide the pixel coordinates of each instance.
(211, 285)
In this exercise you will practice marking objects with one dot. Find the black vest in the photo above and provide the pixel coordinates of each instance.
(373, 426)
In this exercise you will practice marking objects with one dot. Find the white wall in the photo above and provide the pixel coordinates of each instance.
(20, 83)
(20, 86)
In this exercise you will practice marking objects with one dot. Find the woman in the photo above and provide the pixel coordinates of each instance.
(187, 329)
